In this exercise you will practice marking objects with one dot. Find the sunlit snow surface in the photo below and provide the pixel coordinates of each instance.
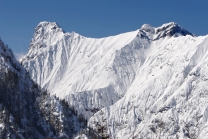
(155, 80)
(90, 73)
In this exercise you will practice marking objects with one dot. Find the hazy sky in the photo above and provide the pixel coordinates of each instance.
(96, 18)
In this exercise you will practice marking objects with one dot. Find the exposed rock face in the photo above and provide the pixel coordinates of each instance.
(171, 29)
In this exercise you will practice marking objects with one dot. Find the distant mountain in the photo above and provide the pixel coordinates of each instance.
(148, 83)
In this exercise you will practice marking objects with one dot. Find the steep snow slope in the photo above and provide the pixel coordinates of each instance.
(150, 83)
(26, 112)
(168, 97)
(90, 73)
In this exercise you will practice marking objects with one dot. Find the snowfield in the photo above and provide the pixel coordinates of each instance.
(148, 83)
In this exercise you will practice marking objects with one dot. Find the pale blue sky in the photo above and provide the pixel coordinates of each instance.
(96, 18)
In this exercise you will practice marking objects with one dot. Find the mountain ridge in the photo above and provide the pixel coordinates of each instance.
(128, 85)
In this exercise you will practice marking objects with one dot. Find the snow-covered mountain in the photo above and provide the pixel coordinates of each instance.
(168, 97)
(149, 83)
(26, 111)
(90, 73)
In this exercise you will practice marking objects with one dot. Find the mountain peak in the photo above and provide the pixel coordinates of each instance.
(148, 28)
(47, 26)
(46, 31)
(171, 29)
(47, 23)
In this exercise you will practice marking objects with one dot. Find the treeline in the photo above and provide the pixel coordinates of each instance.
(16, 99)
(62, 118)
